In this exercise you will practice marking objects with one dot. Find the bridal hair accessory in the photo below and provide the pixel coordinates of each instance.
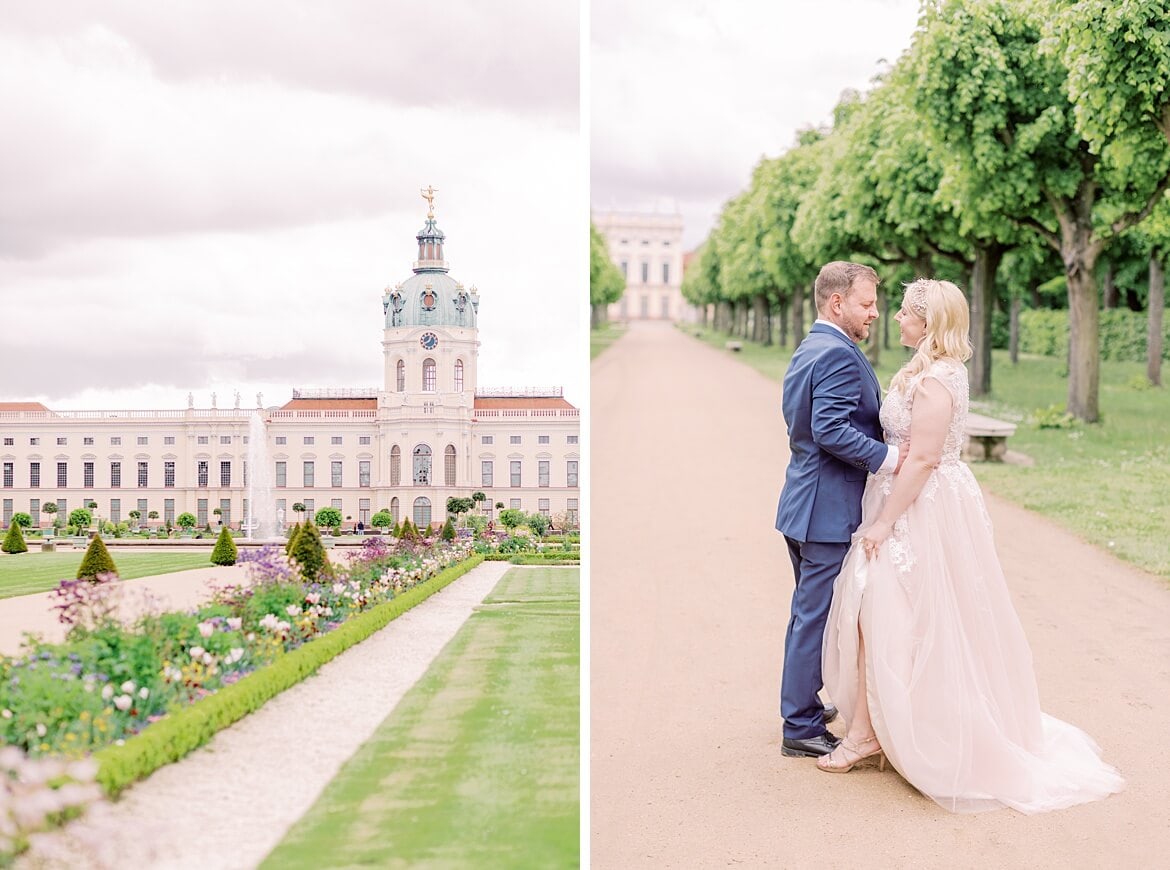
(915, 296)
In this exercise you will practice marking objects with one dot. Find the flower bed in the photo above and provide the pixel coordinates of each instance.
(126, 693)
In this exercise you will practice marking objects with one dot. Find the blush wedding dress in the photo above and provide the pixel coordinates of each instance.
(949, 677)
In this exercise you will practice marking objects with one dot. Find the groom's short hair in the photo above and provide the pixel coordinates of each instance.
(838, 277)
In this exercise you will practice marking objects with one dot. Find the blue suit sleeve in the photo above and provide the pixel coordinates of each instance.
(836, 394)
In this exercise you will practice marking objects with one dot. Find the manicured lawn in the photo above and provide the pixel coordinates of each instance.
(1107, 481)
(30, 572)
(603, 336)
(478, 764)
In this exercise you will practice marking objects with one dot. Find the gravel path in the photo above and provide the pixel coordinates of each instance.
(228, 804)
(687, 635)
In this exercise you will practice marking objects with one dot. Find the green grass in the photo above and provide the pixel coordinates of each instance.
(1107, 481)
(477, 766)
(603, 336)
(26, 573)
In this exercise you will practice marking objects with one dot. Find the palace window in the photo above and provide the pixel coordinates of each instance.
(201, 511)
(542, 473)
(34, 441)
(142, 474)
(225, 439)
(168, 474)
(281, 440)
(282, 474)
(487, 439)
(571, 472)
(428, 375)
(422, 465)
(364, 440)
(394, 509)
(201, 472)
(87, 441)
(202, 439)
(400, 376)
(449, 465)
(143, 440)
(62, 440)
(308, 473)
(458, 375)
(168, 439)
(542, 506)
(334, 439)
(115, 440)
(542, 439)
(571, 439)
(395, 466)
(514, 439)
(515, 469)
(335, 473)
(115, 510)
(9, 473)
(310, 439)
(168, 512)
(363, 472)
(666, 273)
(115, 475)
(645, 273)
(514, 504)
(62, 474)
(364, 511)
(625, 269)
(225, 473)
(485, 473)
(9, 442)
(422, 512)
(34, 474)
(87, 474)
(571, 510)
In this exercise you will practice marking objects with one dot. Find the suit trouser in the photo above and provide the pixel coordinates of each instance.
(815, 566)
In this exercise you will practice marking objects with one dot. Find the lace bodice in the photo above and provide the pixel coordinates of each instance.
(896, 408)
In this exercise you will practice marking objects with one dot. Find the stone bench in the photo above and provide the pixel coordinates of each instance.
(986, 438)
(734, 346)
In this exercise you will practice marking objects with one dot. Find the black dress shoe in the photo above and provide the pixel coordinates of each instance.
(809, 747)
(830, 713)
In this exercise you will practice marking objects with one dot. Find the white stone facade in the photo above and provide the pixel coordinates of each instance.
(647, 248)
(408, 447)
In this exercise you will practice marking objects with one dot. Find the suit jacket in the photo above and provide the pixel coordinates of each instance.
(831, 403)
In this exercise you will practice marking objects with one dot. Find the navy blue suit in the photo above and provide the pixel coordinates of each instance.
(831, 403)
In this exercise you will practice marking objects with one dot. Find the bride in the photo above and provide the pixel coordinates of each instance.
(923, 653)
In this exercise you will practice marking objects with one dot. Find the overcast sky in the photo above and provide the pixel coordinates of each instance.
(688, 95)
(210, 196)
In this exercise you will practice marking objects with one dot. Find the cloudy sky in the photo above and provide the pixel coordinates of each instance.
(210, 195)
(686, 95)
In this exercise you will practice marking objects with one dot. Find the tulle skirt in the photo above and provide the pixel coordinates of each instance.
(950, 683)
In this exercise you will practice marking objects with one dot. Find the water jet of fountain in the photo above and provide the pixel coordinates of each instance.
(261, 524)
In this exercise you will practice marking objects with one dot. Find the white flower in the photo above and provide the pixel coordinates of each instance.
(41, 730)
(144, 693)
(107, 692)
(235, 655)
(313, 597)
(197, 652)
(338, 588)
(292, 610)
(208, 658)
(206, 629)
(7, 714)
(235, 623)
(128, 686)
(123, 702)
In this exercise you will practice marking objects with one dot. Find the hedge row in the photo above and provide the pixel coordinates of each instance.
(172, 738)
(551, 555)
(1122, 335)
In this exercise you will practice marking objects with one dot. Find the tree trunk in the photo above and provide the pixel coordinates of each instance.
(782, 317)
(797, 314)
(1079, 253)
(1110, 289)
(987, 259)
(599, 314)
(1157, 305)
(1014, 335)
(760, 333)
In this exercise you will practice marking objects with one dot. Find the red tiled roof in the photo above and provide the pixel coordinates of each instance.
(329, 404)
(521, 402)
(22, 406)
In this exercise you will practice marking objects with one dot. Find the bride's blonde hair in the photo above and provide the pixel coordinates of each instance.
(944, 308)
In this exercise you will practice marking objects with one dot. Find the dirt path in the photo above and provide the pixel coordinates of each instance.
(690, 587)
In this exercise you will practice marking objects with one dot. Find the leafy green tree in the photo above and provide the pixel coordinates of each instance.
(22, 519)
(153, 515)
(448, 533)
(292, 538)
(383, 519)
(328, 516)
(538, 522)
(50, 508)
(225, 551)
(606, 283)
(309, 554)
(186, 521)
(512, 518)
(14, 540)
(97, 560)
(135, 516)
(81, 518)
(998, 105)
(457, 505)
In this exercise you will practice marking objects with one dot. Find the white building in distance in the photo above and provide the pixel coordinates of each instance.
(647, 248)
(426, 435)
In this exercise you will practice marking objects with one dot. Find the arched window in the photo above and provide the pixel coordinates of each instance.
(459, 376)
(394, 509)
(428, 375)
(401, 376)
(422, 465)
(395, 466)
(449, 465)
(422, 512)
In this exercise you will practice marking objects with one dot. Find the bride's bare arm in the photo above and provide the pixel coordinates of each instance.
(929, 419)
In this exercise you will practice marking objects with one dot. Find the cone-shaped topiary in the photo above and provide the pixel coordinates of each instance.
(448, 530)
(309, 553)
(292, 536)
(225, 551)
(14, 540)
(96, 560)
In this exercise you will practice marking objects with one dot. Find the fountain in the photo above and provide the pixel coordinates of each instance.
(261, 523)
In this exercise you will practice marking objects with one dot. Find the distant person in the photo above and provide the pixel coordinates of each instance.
(831, 402)
(361, 528)
(923, 652)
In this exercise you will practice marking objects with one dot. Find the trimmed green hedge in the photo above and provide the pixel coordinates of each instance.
(531, 558)
(1123, 334)
(171, 738)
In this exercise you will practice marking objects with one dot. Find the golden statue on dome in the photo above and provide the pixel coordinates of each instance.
(429, 195)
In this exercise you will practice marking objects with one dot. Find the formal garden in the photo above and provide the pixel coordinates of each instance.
(119, 698)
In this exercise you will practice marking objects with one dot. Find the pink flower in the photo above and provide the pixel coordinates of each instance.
(123, 702)
(197, 652)
(235, 623)
(206, 629)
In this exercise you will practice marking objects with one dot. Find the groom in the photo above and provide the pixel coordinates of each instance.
(831, 403)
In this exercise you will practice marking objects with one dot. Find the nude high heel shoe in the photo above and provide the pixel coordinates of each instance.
(849, 755)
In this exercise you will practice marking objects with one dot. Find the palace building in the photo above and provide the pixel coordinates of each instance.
(426, 435)
(647, 248)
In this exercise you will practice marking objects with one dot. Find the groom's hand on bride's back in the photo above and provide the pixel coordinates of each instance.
(903, 452)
